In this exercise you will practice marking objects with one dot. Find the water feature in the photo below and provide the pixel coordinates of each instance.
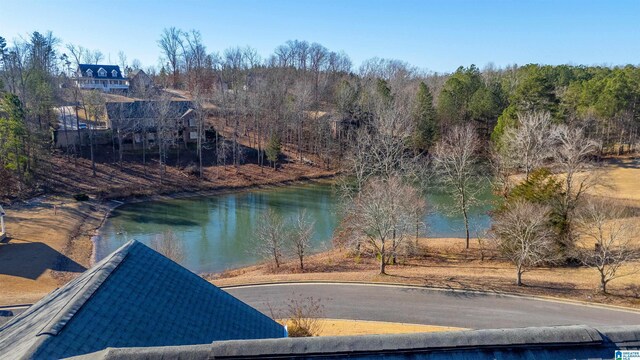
(216, 232)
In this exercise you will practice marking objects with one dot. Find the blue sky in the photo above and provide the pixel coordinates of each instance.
(434, 35)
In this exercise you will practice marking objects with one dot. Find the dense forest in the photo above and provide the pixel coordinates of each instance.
(310, 98)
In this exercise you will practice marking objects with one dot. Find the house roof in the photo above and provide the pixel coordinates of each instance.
(136, 72)
(558, 342)
(135, 297)
(82, 69)
(145, 109)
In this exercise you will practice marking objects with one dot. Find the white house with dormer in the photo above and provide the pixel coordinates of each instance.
(101, 77)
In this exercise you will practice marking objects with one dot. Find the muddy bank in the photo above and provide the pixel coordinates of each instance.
(51, 237)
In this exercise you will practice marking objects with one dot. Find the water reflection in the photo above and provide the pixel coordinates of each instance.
(216, 232)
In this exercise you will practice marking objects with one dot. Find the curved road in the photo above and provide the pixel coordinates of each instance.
(430, 306)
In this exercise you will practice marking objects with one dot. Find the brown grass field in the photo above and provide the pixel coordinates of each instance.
(50, 243)
(341, 327)
(50, 236)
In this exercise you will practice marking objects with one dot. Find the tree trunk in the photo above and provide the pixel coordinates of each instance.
(178, 153)
(382, 261)
(466, 225)
(91, 145)
(395, 244)
(78, 128)
(120, 148)
(18, 171)
(144, 151)
(519, 279)
(200, 126)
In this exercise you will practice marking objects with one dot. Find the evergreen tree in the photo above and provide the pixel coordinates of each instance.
(384, 91)
(425, 117)
(456, 94)
(273, 150)
(13, 131)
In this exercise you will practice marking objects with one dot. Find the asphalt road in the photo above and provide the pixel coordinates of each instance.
(431, 307)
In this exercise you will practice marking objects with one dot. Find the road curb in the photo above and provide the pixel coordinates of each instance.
(440, 288)
(400, 285)
(19, 306)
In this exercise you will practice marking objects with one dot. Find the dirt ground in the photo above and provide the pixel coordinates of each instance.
(444, 263)
(50, 236)
(50, 240)
(69, 176)
(620, 180)
(49, 243)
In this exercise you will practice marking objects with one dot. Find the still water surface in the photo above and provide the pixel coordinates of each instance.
(216, 232)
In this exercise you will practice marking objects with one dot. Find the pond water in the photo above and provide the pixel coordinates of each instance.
(216, 232)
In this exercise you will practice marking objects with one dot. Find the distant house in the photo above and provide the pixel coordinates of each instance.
(135, 297)
(139, 117)
(140, 82)
(106, 78)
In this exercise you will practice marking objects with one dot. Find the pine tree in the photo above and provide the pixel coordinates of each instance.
(13, 132)
(273, 150)
(425, 117)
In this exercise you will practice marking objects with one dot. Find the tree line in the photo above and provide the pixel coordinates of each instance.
(387, 124)
(283, 95)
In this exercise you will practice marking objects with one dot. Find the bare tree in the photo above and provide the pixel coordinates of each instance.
(195, 59)
(94, 109)
(523, 235)
(122, 61)
(300, 236)
(79, 53)
(380, 147)
(270, 236)
(95, 56)
(455, 160)
(604, 223)
(168, 245)
(201, 110)
(304, 317)
(572, 157)
(222, 153)
(502, 172)
(165, 121)
(302, 101)
(171, 43)
(527, 145)
(136, 64)
(419, 212)
(383, 214)
(318, 58)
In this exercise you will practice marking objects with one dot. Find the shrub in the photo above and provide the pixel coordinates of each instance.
(81, 197)
(304, 317)
(192, 169)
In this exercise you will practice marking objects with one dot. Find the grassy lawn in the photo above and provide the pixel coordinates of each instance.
(340, 327)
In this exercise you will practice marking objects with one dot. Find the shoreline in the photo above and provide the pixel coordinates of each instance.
(57, 233)
(216, 191)
(74, 230)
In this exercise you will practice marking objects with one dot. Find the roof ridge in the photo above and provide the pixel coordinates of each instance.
(85, 291)
(99, 65)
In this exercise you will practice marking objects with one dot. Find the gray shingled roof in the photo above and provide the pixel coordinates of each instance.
(135, 297)
(560, 342)
(141, 109)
